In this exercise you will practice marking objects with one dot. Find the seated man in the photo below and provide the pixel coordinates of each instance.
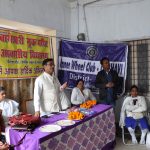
(8, 107)
(80, 94)
(132, 114)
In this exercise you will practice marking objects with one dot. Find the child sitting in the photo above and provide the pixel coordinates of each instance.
(134, 107)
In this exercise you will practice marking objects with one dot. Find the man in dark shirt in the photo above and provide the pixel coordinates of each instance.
(107, 82)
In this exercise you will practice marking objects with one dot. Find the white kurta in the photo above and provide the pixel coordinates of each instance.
(9, 108)
(48, 96)
(130, 110)
(78, 98)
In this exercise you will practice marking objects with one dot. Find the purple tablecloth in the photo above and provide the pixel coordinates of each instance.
(102, 121)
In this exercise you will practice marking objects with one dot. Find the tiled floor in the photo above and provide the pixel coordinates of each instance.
(121, 146)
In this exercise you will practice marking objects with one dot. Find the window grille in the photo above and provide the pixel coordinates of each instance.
(138, 69)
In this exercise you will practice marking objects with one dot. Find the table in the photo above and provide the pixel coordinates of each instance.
(94, 132)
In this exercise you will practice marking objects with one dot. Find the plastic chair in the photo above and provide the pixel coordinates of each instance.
(136, 133)
(27, 106)
(127, 133)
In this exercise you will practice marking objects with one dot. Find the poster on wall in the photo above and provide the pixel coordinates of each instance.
(81, 60)
(21, 54)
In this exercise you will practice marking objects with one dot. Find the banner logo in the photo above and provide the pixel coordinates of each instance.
(92, 51)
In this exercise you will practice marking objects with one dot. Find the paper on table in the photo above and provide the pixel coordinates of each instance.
(50, 128)
(62, 112)
(65, 122)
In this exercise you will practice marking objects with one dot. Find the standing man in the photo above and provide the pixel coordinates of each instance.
(48, 93)
(107, 82)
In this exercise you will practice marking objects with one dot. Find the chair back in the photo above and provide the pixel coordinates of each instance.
(27, 106)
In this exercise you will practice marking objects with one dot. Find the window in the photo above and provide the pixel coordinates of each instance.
(138, 70)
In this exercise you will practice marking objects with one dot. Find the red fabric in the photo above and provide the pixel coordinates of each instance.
(24, 119)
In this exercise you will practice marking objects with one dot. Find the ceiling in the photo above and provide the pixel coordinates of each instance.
(7, 24)
(71, 0)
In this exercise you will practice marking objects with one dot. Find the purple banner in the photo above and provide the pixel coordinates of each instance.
(82, 60)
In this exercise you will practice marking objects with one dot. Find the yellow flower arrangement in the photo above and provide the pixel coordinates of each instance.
(88, 104)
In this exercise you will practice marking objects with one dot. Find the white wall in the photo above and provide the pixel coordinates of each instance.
(112, 20)
(54, 14)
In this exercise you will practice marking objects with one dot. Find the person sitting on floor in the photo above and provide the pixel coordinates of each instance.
(132, 114)
(8, 107)
(80, 94)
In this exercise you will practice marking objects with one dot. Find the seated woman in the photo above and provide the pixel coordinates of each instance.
(132, 114)
(80, 94)
(8, 107)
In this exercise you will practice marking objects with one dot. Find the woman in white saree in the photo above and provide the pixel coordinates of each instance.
(80, 94)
